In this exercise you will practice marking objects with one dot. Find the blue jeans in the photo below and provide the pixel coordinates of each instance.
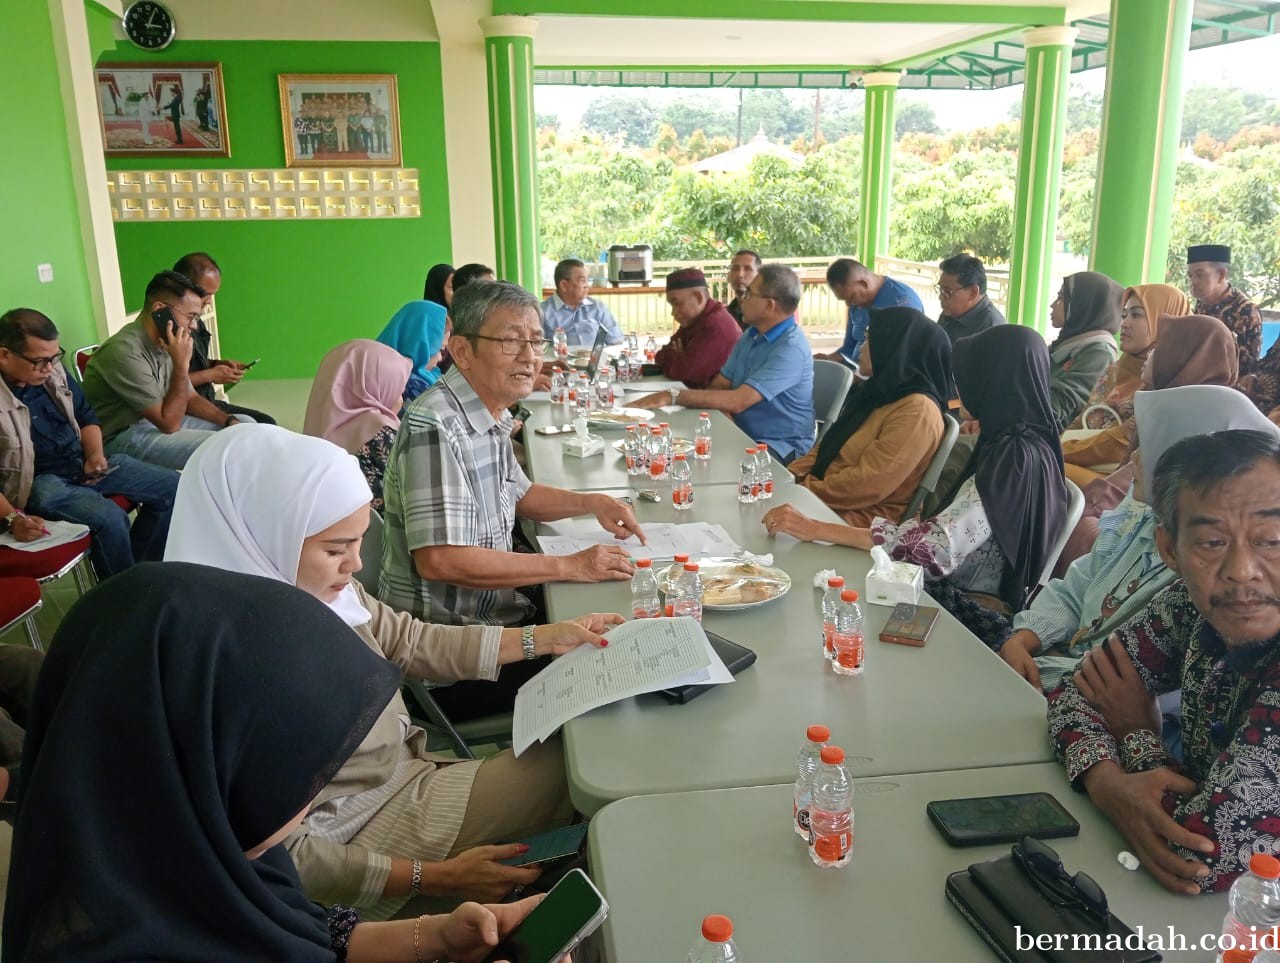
(146, 442)
(115, 545)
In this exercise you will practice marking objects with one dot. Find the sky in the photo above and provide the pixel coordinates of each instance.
(1248, 64)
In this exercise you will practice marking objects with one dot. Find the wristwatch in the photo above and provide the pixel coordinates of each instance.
(526, 642)
(675, 394)
(6, 523)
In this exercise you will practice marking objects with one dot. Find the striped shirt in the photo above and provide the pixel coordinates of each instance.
(452, 479)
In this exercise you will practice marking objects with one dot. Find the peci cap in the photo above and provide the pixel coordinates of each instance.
(1217, 253)
(686, 278)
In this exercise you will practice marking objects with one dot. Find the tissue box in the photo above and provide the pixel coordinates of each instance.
(903, 583)
(583, 448)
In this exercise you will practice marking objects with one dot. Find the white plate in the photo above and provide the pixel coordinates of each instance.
(619, 418)
(729, 583)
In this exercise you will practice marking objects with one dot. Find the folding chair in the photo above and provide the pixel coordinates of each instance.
(82, 357)
(831, 381)
(929, 480)
(19, 602)
(1075, 508)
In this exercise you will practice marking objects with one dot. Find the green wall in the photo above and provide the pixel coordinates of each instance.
(40, 223)
(292, 289)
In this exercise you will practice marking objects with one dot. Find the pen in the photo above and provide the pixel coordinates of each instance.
(43, 529)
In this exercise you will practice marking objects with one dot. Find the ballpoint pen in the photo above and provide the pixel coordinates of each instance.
(44, 529)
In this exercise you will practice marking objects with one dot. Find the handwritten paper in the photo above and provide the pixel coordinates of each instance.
(663, 539)
(643, 655)
(60, 533)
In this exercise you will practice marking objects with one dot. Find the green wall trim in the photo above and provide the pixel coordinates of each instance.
(877, 173)
(513, 157)
(809, 11)
(292, 289)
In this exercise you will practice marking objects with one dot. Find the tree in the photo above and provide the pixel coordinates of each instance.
(695, 113)
(667, 141)
(542, 121)
(1218, 112)
(1084, 109)
(772, 112)
(914, 117)
(631, 115)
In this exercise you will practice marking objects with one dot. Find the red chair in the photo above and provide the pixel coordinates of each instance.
(82, 359)
(50, 564)
(19, 602)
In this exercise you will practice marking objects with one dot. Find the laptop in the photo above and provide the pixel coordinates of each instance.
(735, 658)
(597, 352)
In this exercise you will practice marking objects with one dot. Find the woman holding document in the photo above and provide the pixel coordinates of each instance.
(396, 820)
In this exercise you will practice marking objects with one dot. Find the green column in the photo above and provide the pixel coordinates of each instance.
(877, 165)
(513, 148)
(1138, 154)
(1035, 207)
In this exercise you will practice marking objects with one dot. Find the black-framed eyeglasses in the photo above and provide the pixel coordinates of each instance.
(512, 346)
(43, 364)
(1042, 863)
(945, 293)
(747, 294)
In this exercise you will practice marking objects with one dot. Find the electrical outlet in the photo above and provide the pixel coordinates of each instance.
(44, 272)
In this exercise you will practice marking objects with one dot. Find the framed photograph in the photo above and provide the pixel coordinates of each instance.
(340, 120)
(163, 110)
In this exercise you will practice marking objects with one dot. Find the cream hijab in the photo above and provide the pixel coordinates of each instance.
(250, 495)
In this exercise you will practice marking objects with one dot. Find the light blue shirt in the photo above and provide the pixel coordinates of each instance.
(779, 365)
(581, 323)
(892, 294)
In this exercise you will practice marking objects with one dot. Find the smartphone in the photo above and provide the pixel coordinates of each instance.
(1001, 819)
(163, 317)
(571, 912)
(252, 363)
(909, 624)
(554, 430)
(550, 846)
(96, 477)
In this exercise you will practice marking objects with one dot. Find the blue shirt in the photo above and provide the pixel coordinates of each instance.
(779, 365)
(581, 323)
(892, 294)
(54, 440)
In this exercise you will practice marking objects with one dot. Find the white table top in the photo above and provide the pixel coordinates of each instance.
(952, 704)
(664, 862)
(549, 465)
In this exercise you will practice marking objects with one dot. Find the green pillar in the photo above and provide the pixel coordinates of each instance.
(877, 165)
(508, 50)
(1138, 153)
(1035, 207)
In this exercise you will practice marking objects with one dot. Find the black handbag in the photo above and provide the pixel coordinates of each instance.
(1029, 910)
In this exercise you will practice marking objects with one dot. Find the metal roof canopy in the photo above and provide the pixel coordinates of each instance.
(997, 61)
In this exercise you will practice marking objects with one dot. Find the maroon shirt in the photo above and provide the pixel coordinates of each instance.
(696, 352)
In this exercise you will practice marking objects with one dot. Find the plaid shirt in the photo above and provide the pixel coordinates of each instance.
(1245, 321)
(452, 479)
(1230, 726)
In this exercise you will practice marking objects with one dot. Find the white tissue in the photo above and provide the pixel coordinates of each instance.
(766, 559)
(890, 582)
(820, 579)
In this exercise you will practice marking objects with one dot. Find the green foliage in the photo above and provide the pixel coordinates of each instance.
(914, 117)
(963, 204)
(688, 114)
(628, 114)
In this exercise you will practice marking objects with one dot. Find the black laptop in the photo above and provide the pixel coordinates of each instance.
(735, 658)
(597, 352)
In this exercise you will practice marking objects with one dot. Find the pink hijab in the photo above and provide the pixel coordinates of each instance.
(357, 392)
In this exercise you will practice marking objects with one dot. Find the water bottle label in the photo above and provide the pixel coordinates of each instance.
(702, 446)
(755, 489)
(849, 652)
(802, 819)
(744, 490)
(768, 486)
(829, 638)
(657, 465)
(832, 848)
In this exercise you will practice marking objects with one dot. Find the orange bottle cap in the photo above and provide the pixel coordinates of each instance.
(690, 566)
(818, 733)
(682, 457)
(1268, 867)
(704, 415)
(835, 581)
(848, 595)
(681, 557)
(717, 929)
(832, 755)
(644, 562)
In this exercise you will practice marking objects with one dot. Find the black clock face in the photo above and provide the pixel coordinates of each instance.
(149, 25)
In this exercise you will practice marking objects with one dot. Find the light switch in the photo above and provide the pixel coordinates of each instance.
(45, 273)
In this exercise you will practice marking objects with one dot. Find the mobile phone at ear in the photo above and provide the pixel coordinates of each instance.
(1001, 819)
(163, 317)
(570, 913)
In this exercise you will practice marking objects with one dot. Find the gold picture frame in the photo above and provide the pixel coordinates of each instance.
(310, 106)
(162, 110)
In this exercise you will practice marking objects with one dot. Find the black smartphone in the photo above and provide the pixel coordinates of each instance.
(550, 846)
(252, 363)
(1001, 819)
(570, 913)
(163, 317)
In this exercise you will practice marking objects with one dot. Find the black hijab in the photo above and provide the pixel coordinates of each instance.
(437, 277)
(910, 355)
(184, 715)
(1092, 303)
(1003, 377)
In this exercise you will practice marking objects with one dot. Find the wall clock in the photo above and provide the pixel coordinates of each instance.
(149, 25)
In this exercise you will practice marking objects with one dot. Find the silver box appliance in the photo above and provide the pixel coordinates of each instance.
(630, 264)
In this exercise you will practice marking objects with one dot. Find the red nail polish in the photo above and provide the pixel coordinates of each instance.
(604, 643)
(521, 848)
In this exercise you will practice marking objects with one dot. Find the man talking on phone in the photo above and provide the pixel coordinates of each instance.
(139, 380)
(52, 465)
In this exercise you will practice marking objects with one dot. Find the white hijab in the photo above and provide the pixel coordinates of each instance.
(1167, 416)
(250, 495)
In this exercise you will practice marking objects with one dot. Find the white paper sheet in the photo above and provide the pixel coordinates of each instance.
(663, 539)
(60, 533)
(643, 655)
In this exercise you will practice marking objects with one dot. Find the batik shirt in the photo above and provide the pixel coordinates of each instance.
(1240, 315)
(1230, 726)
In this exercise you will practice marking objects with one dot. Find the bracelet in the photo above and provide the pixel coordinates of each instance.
(526, 642)
(342, 920)
(415, 880)
(417, 939)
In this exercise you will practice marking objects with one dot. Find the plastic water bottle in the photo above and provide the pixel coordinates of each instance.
(702, 438)
(688, 589)
(1268, 955)
(642, 448)
(716, 943)
(764, 470)
(806, 765)
(645, 603)
(679, 561)
(827, 612)
(657, 452)
(582, 399)
(633, 344)
(668, 441)
(681, 484)
(631, 451)
(831, 811)
(604, 387)
(847, 641)
(747, 488)
(650, 349)
(561, 342)
(1254, 902)
(559, 387)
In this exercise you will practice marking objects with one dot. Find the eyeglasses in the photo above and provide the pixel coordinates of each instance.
(511, 346)
(747, 294)
(43, 364)
(1043, 864)
(946, 293)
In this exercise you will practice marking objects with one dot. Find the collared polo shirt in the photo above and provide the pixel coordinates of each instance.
(127, 374)
(581, 323)
(779, 365)
(892, 294)
(452, 479)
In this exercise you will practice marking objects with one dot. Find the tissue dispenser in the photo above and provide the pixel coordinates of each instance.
(889, 582)
(583, 446)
